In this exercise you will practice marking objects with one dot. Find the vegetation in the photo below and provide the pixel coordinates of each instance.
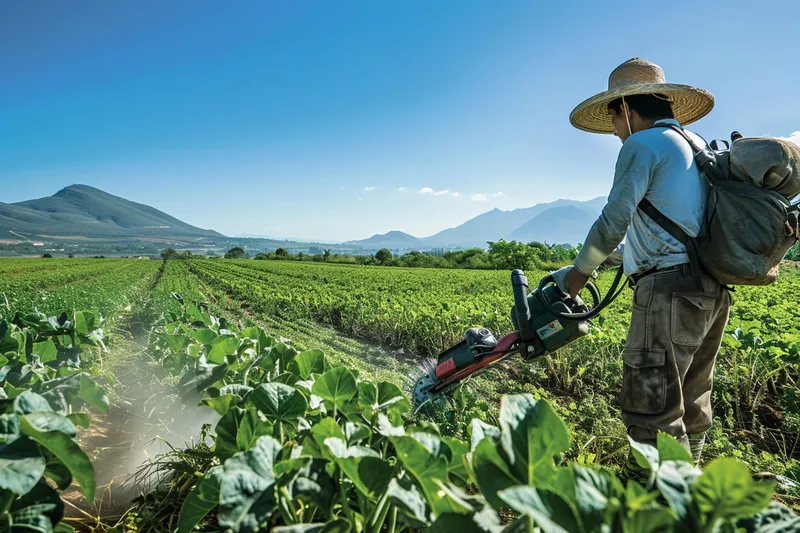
(224, 352)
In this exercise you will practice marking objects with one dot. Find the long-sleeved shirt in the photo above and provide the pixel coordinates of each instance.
(657, 164)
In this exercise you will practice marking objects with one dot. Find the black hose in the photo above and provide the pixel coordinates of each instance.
(611, 295)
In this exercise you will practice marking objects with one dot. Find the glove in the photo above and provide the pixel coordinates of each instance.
(558, 277)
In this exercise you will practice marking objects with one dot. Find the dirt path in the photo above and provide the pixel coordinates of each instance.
(146, 418)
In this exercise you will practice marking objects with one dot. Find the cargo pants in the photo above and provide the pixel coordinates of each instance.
(675, 333)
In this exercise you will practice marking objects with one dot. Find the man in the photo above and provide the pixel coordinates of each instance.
(676, 325)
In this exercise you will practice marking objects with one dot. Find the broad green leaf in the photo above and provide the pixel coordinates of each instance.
(527, 501)
(44, 421)
(363, 466)
(260, 338)
(176, 343)
(336, 386)
(356, 433)
(492, 473)
(306, 363)
(21, 466)
(247, 494)
(47, 350)
(649, 520)
(203, 336)
(30, 402)
(427, 469)
(312, 484)
(479, 429)
(251, 428)
(9, 427)
(238, 389)
(226, 430)
(37, 510)
(595, 488)
(278, 402)
(222, 403)
(646, 455)
(466, 523)
(674, 479)
(68, 452)
(204, 497)
(222, 346)
(335, 526)
(726, 489)
(532, 435)
(669, 449)
(93, 394)
(408, 499)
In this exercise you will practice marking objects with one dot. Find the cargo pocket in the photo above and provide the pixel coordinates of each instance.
(691, 317)
(644, 381)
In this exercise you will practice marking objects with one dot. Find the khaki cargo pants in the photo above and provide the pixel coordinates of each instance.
(675, 333)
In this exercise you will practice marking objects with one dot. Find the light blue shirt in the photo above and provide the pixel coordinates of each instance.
(657, 164)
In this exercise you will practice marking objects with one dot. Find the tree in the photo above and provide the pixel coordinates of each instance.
(47, 256)
(326, 255)
(236, 252)
(170, 254)
(261, 257)
(510, 255)
(281, 253)
(383, 255)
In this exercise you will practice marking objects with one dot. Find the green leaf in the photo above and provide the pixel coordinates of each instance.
(532, 435)
(93, 394)
(68, 452)
(52, 422)
(726, 489)
(38, 510)
(21, 466)
(430, 472)
(595, 489)
(649, 520)
(226, 431)
(204, 497)
(222, 346)
(409, 500)
(478, 430)
(336, 386)
(391, 398)
(466, 523)
(527, 501)
(669, 449)
(312, 484)
(356, 433)
(251, 428)
(646, 455)
(278, 402)
(222, 403)
(492, 473)
(247, 494)
(674, 479)
(79, 419)
(30, 402)
(363, 466)
(47, 350)
(176, 343)
(335, 526)
(203, 336)
(306, 363)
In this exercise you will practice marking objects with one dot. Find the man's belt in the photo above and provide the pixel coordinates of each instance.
(634, 278)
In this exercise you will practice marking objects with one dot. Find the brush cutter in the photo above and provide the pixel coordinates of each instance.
(544, 320)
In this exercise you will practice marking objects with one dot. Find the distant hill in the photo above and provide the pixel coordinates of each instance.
(80, 210)
(393, 240)
(561, 222)
(497, 224)
(558, 225)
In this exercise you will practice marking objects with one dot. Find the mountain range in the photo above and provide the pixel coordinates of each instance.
(80, 210)
(561, 221)
(86, 212)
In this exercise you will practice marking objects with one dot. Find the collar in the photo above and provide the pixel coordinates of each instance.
(668, 121)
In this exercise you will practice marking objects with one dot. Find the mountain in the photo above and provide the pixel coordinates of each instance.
(497, 224)
(80, 210)
(563, 225)
(393, 239)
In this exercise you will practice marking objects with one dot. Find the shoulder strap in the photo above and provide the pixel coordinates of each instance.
(682, 133)
(659, 218)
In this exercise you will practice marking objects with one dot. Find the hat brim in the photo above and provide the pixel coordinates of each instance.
(689, 104)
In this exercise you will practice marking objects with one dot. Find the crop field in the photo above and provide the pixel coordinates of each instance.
(219, 395)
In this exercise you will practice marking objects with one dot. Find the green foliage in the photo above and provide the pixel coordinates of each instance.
(236, 252)
(383, 255)
(324, 449)
(43, 378)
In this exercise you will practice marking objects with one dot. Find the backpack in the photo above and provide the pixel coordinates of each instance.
(750, 222)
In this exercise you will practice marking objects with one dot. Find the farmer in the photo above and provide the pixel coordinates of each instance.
(676, 325)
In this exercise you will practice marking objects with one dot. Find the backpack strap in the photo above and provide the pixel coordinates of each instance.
(668, 225)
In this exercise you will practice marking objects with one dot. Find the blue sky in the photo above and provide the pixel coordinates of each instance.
(307, 118)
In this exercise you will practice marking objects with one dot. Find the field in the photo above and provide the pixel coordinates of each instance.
(302, 366)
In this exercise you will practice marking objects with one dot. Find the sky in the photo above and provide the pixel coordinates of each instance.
(336, 120)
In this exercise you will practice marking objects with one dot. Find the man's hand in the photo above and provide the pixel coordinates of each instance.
(575, 280)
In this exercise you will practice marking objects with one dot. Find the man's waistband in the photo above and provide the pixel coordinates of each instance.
(683, 268)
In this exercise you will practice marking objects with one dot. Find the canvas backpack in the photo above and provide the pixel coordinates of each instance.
(750, 221)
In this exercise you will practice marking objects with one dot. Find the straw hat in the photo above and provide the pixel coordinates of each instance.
(637, 76)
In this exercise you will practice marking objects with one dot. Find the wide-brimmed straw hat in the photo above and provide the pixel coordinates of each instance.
(637, 76)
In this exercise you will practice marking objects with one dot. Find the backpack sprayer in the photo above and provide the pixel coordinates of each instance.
(544, 320)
